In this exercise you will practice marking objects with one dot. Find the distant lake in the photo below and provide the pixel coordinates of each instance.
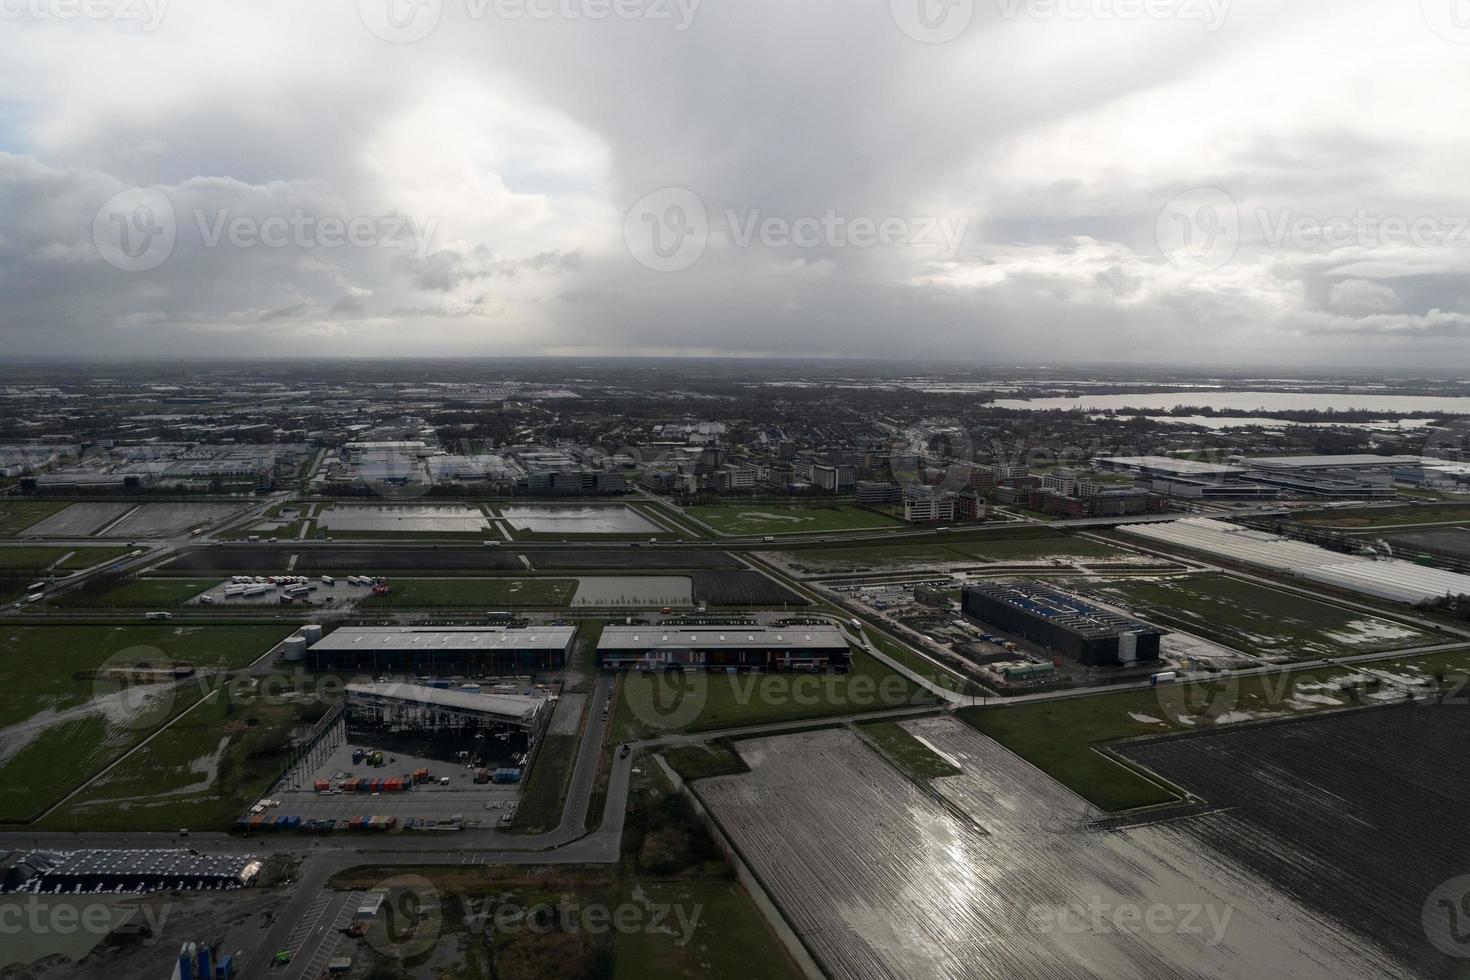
(1246, 402)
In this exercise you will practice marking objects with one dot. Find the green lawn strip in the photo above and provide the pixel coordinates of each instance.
(730, 941)
(652, 704)
(144, 593)
(700, 760)
(50, 667)
(906, 752)
(546, 787)
(44, 557)
(1064, 737)
(1387, 517)
(1262, 620)
(201, 772)
(665, 515)
(473, 592)
(867, 557)
(17, 515)
(920, 665)
(782, 519)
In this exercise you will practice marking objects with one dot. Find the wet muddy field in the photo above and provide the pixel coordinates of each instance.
(1358, 814)
(999, 872)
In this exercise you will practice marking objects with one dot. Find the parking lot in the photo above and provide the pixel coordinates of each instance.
(429, 801)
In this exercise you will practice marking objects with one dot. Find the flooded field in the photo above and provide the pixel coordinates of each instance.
(1349, 810)
(76, 521)
(579, 520)
(398, 518)
(151, 520)
(1000, 872)
(634, 590)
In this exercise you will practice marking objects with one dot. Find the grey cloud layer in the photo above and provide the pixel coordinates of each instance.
(491, 165)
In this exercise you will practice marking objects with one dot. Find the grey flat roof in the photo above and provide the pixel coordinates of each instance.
(514, 706)
(451, 638)
(1352, 460)
(1168, 464)
(729, 637)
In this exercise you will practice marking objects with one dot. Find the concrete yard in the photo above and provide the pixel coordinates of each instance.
(325, 597)
(430, 801)
(1000, 873)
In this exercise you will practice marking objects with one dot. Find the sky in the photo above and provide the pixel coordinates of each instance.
(1160, 181)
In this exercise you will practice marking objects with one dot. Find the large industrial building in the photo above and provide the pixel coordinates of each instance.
(1063, 624)
(1189, 478)
(806, 647)
(469, 650)
(71, 872)
(1386, 578)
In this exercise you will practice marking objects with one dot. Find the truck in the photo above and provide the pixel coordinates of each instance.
(158, 615)
(1164, 677)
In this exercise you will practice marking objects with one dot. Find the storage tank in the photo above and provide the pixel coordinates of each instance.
(311, 633)
(295, 649)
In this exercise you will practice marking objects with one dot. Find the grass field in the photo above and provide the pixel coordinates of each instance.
(51, 740)
(762, 519)
(546, 789)
(488, 593)
(978, 550)
(1063, 737)
(656, 703)
(1385, 517)
(144, 593)
(43, 557)
(704, 759)
(39, 665)
(909, 754)
(200, 772)
(734, 940)
(17, 515)
(524, 922)
(1261, 620)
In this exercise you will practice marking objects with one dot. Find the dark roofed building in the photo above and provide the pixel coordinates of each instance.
(1063, 624)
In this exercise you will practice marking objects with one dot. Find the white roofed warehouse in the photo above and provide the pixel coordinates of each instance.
(467, 650)
(423, 708)
(741, 647)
